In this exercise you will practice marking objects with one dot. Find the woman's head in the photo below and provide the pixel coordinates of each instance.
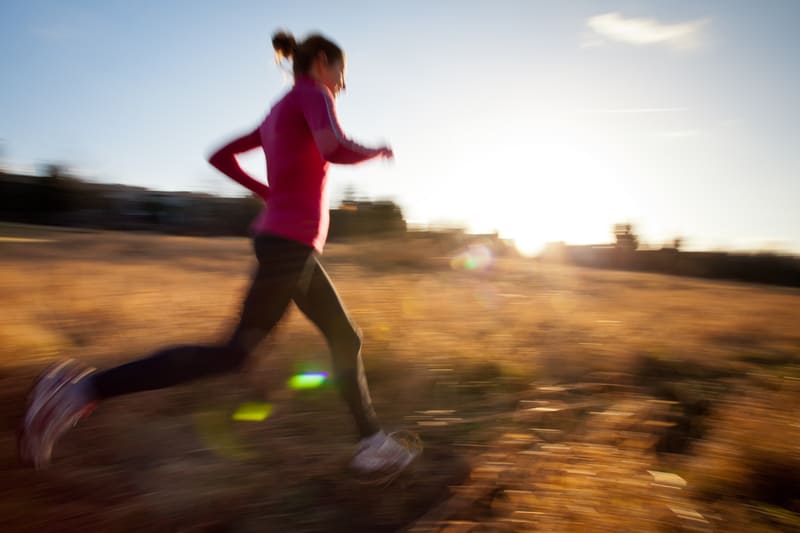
(316, 56)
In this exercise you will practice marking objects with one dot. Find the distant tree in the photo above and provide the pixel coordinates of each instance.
(54, 190)
(361, 217)
(626, 238)
(55, 171)
(154, 210)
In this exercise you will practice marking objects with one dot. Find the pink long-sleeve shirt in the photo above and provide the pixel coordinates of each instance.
(300, 136)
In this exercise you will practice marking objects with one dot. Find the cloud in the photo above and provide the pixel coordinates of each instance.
(636, 110)
(645, 31)
(680, 134)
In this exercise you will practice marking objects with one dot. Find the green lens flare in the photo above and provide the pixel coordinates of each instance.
(307, 380)
(476, 257)
(253, 412)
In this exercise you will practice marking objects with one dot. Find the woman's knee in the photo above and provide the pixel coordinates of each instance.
(348, 341)
(236, 353)
(356, 339)
(244, 341)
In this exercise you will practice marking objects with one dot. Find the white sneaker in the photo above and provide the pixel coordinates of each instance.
(382, 453)
(56, 403)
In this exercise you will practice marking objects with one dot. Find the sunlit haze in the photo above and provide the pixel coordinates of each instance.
(545, 121)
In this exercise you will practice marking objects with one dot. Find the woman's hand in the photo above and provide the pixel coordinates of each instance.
(386, 152)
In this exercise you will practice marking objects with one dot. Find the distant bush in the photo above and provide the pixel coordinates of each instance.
(768, 268)
(354, 218)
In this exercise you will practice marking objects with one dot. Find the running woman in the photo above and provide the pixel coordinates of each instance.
(300, 136)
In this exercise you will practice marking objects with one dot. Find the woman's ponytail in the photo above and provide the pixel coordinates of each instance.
(285, 45)
(303, 54)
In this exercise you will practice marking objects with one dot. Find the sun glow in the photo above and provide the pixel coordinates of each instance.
(555, 187)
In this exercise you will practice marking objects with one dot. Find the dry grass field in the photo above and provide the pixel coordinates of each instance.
(549, 398)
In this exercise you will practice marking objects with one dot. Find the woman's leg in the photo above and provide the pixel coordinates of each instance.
(318, 300)
(280, 265)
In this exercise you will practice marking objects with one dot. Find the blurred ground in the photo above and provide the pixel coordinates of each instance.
(549, 398)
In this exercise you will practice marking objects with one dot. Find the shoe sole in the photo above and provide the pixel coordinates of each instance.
(384, 478)
(410, 441)
(35, 443)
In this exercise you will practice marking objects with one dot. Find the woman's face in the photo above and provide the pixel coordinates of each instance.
(330, 74)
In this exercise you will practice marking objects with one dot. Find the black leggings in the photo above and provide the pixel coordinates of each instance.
(287, 270)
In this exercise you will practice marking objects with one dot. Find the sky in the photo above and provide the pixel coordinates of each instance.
(544, 121)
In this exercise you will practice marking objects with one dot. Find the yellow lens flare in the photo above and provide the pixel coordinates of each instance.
(218, 434)
(253, 412)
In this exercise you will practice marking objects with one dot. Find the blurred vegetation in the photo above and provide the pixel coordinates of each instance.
(56, 197)
(627, 253)
(549, 397)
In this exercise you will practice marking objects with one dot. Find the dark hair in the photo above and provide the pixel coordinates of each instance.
(303, 54)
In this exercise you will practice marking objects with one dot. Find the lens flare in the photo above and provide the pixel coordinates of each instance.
(216, 431)
(383, 332)
(475, 258)
(307, 380)
(253, 412)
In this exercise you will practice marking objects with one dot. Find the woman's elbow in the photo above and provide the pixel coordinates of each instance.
(217, 159)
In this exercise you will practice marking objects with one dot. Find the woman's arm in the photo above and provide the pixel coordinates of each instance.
(225, 161)
(333, 144)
